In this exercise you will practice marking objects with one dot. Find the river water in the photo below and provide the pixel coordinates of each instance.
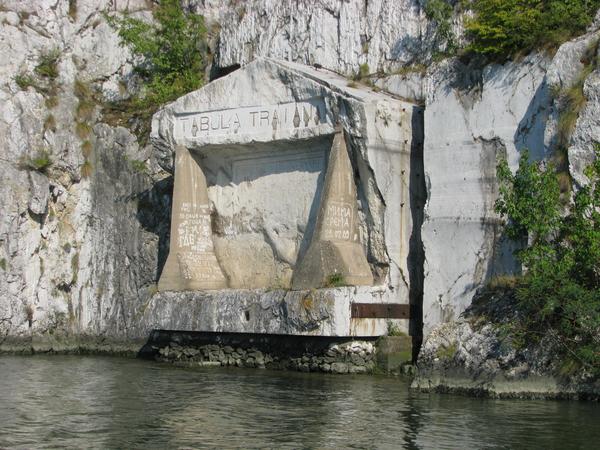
(120, 403)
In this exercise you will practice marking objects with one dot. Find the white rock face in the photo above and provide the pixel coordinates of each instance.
(586, 136)
(77, 253)
(471, 120)
(339, 35)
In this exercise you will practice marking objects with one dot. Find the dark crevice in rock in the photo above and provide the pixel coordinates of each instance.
(416, 254)
(218, 72)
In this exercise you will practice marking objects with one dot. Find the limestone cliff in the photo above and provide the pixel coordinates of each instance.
(83, 205)
(82, 238)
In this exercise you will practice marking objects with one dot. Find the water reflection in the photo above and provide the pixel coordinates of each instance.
(99, 402)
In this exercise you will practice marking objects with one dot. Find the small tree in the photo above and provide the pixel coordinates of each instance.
(560, 291)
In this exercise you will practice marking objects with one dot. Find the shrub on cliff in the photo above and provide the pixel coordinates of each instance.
(559, 292)
(440, 13)
(503, 28)
(171, 52)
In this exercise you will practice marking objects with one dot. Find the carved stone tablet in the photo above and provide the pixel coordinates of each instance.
(335, 255)
(191, 263)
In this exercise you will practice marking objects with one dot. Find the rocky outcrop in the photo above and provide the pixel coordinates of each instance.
(83, 206)
(478, 354)
(334, 34)
(473, 116)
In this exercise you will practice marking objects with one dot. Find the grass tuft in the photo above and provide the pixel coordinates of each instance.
(335, 280)
(501, 282)
(73, 9)
(83, 130)
(48, 64)
(86, 169)
(24, 81)
(51, 101)
(50, 123)
(86, 149)
(41, 162)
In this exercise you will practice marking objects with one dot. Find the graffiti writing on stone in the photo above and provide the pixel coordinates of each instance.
(194, 228)
(292, 115)
(338, 221)
(199, 266)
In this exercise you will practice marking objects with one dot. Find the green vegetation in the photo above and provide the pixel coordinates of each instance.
(3, 264)
(48, 64)
(412, 68)
(505, 28)
(447, 352)
(138, 165)
(394, 330)
(51, 101)
(440, 12)
(502, 282)
(173, 50)
(41, 162)
(365, 47)
(559, 293)
(572, 100)
(24, 80)
(44, 78)
(335, 280)
(83, 130)
(363, 72)
(86, 103)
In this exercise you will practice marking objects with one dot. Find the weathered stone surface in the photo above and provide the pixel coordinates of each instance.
(88, 261)
(472, 355)
(335, 252)
(322, 312)
(410, 85)
(40, 190)
(338, 35)
(472, 118)
(586, 135)
(472, 123)
(79, 253)
(192, 263)
(264, 153)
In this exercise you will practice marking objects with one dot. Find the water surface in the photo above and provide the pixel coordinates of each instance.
(103, 402)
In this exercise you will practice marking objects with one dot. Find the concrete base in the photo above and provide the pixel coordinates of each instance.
(393, 352)
(320, 312)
